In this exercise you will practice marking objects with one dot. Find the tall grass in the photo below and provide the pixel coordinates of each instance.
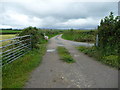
(65, 55)
(110, 60)
(80, 36)
(17, 73)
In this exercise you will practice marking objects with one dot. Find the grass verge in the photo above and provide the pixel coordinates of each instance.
(110, 60)
(65, 55)
(17, 73)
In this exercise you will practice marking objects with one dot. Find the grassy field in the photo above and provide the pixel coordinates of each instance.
(110, 60)
(7, 36)
(10, 31)
(80, 35)
(65, 55)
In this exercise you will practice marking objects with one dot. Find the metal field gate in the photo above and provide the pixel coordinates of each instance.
(14, 48)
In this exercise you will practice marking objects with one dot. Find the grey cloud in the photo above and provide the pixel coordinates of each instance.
(52, 14)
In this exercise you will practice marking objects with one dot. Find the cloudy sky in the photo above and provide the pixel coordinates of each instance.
(60, 14)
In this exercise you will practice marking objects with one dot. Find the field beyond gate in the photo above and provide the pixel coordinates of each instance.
(16, 48)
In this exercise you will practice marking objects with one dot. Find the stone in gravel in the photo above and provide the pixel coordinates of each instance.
(78, 86)
(62, 78)
(54, 80)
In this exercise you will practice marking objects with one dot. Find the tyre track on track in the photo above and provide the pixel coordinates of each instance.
(85, 73)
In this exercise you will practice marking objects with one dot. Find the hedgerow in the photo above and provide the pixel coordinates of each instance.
(109, 34)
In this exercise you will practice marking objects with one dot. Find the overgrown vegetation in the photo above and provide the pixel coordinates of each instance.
(108, 49)
(80, 36)
(65, 55)
(111, 60)
(37, 35)
(109, 35)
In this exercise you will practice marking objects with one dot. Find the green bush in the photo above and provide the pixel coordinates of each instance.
(108, 50)
(36, 36)
(109, 34)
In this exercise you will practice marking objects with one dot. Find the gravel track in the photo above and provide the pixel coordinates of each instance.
(85, 73)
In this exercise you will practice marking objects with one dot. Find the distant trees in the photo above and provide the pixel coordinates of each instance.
(7, 29)
(109, 34)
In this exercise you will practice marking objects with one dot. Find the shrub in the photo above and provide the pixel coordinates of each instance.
(109, 34)
(36, 36)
